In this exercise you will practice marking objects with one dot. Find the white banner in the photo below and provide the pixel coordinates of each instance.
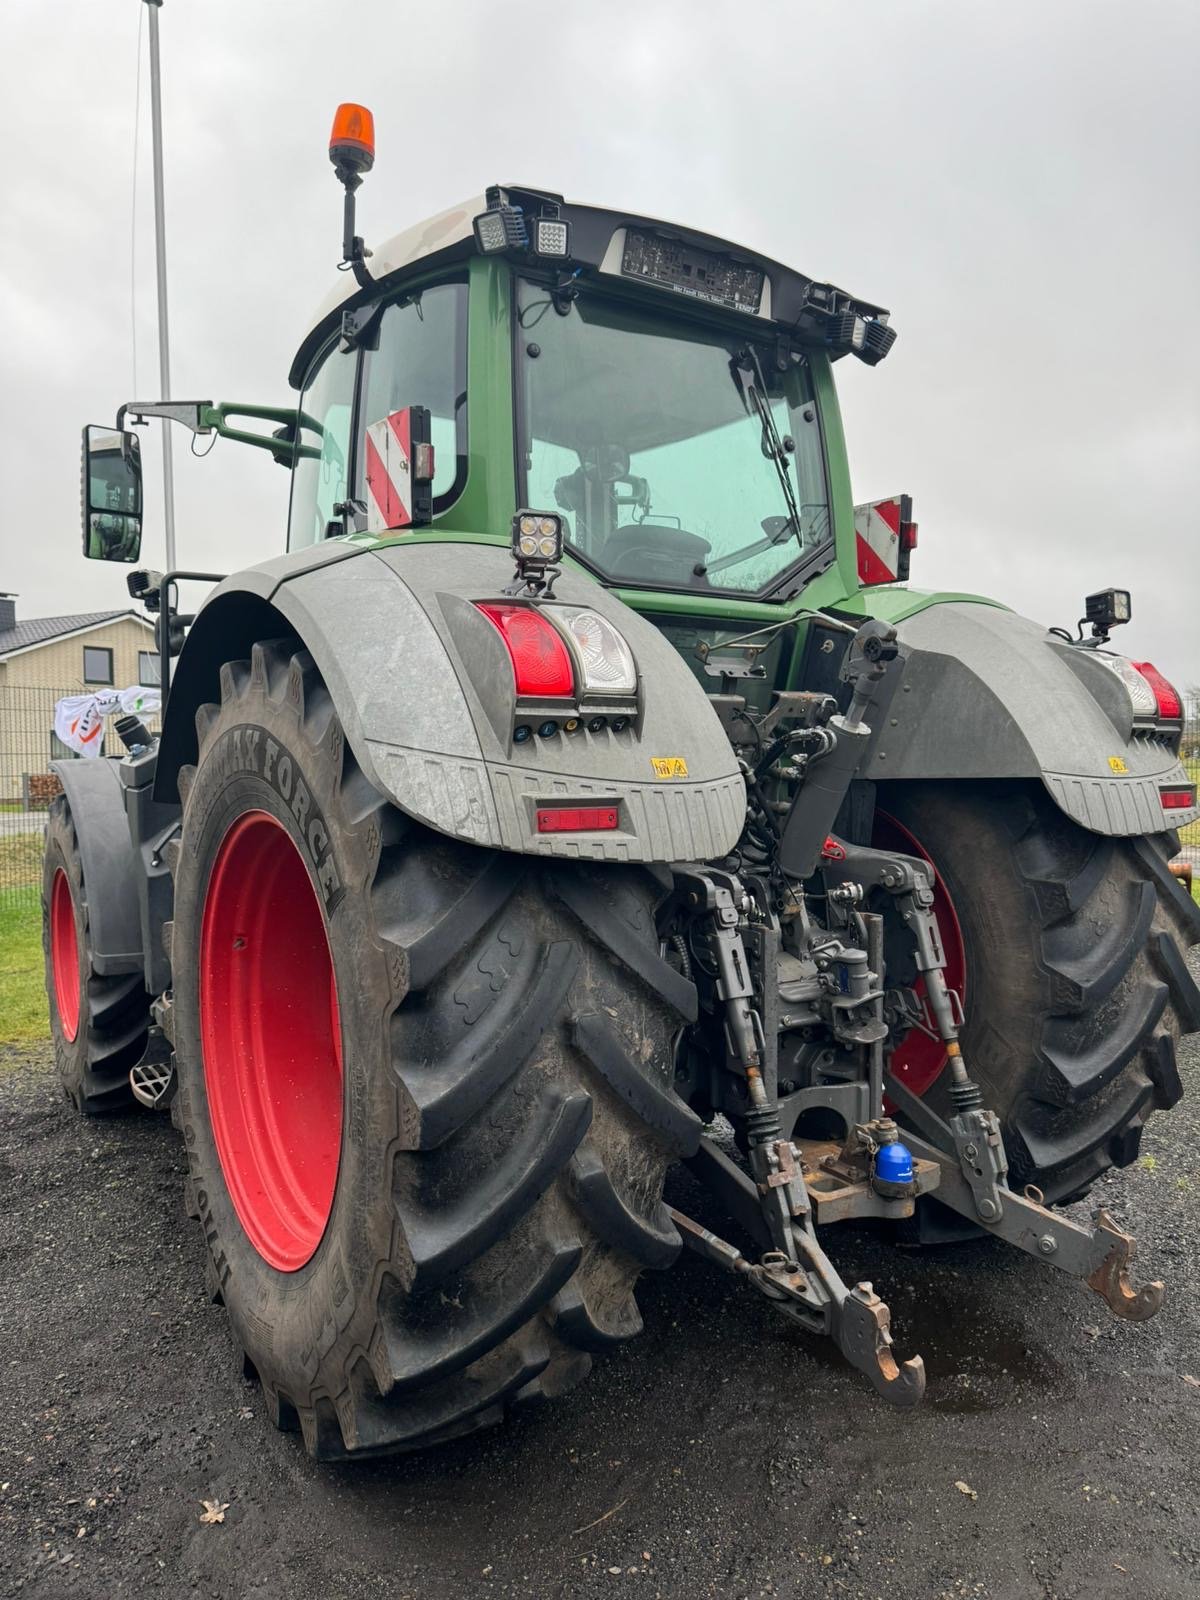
(79, 718)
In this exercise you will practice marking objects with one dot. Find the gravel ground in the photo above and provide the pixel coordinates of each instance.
(720, 1454)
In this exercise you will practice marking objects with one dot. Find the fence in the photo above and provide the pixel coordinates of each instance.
(28, 745)
(27, 785)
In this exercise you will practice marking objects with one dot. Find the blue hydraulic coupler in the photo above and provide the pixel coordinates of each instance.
(893, 1174)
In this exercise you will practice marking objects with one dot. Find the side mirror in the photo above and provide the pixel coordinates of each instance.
(111, 495)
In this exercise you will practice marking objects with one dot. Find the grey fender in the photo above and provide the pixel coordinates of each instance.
(111, 868)
(988, 694)
(423, 687)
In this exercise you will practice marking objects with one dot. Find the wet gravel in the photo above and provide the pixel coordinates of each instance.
(720, 1454)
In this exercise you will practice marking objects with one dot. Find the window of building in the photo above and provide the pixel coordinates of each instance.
(149, 669)
(97, 664)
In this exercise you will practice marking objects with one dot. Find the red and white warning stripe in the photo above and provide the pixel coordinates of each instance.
(884, 535)
(392, 464)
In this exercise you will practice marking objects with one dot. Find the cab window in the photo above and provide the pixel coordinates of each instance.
(320, 476)
(421, 360)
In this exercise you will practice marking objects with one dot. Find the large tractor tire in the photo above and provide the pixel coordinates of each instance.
(98, 1024)
(425, 1088)
(1067, 949)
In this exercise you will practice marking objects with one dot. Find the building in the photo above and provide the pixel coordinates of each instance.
(45, 658)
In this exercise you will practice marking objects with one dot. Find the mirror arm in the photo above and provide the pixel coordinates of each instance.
(202, 417)
(282, 444)
(188, 412)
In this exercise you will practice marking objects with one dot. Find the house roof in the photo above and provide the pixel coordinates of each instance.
(45, 630)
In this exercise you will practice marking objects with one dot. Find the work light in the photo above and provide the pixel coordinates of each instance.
(551, 237)
(537, 538)
(499, 228)
(877, 340)
(1108, 609)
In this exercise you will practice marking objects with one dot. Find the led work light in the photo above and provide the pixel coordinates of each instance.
(537, 538)
(507, 227)
(1108, 609)
(501, 228)
(551, 237)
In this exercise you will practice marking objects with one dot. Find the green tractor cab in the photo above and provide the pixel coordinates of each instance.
(585, 781)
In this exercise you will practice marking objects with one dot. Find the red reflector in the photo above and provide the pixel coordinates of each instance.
(577, 819)
(1170, 706)
(1177, 799)
(541, 665)
(908, 536)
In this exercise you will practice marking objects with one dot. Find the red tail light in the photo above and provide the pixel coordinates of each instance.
(576, 819)
(540, 660)
(1166, 695)
(1177, 799)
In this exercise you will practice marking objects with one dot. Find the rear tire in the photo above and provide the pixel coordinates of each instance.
(507, 1030)
(99, 1024)
(1076, 987)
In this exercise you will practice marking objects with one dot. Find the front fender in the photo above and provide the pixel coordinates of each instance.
(110, 863)
(423, 702)
(988, 694)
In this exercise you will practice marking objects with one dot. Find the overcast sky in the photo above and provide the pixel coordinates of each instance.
(1017, 181)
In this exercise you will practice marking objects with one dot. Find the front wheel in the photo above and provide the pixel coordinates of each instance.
(1067, 949)
(98, 1022)
(424, 1088)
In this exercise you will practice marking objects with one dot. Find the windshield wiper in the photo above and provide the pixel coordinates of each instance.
(754, 395)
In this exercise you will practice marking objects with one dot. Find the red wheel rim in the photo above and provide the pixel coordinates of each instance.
(64, 955)
(271, 1035)
(917, 1060)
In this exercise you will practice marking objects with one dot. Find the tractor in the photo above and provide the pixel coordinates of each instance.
(584, 790)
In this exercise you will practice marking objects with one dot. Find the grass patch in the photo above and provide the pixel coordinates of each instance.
(20, 864)
(22, 994)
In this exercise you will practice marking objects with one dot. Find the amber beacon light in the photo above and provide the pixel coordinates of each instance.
(352, 141)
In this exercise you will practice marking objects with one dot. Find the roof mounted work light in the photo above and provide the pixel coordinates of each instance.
(501, 226)
(877, 340)
(504, 226)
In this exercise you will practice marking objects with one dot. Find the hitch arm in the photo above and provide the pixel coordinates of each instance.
(1100, 1255)
(813, 1295)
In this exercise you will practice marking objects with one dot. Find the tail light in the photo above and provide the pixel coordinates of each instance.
(1181, 799)
(540, 661)
(606, 660)
(1167, 699)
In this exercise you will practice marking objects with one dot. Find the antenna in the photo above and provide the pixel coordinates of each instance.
(160, 260)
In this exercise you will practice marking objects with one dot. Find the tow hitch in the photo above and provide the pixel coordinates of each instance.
(795, 1183)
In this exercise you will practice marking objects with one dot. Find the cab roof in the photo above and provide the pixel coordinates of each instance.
(660, 258)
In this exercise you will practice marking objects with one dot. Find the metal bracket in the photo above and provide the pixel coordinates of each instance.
(979, 1145)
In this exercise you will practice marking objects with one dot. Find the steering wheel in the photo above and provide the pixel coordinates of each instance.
(630, 550)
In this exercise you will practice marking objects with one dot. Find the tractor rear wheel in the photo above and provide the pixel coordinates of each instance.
(99, 1024)
(1070, 949)
(424, 1088)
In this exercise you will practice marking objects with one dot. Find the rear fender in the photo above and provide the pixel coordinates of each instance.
(988, 694)
(423, 688)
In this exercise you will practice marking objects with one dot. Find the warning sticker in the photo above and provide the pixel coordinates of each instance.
(669, 766)
(1117, 764)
